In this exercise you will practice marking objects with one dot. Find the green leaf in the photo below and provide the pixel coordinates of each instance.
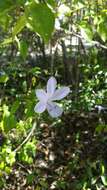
(4, 78)
(19, 25)
(86, 31)
(5, 5)
(20, 2)
(41, 19)
(104, 179)
(51, 2)
(102, 31)
(35, 71)
(23, 49)
(30, 178)
(4, 21)
(6, 42)
(9, 122)
(15, 106)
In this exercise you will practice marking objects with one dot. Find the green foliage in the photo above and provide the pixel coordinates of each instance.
(28, 152)
(7, 157)
(86, 30)
(6, 5)
(23, 48)
(102, 28)
(20, 24)
(3, 77)
(8, 121)
(30, 47)
(40, 19)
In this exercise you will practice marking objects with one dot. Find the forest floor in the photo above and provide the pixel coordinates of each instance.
(68, 155)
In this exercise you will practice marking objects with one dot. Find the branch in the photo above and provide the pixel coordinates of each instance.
(95, 43)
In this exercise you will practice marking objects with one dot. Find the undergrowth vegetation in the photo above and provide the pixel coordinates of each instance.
(67, 40)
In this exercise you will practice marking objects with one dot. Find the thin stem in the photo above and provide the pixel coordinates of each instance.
(27, 138)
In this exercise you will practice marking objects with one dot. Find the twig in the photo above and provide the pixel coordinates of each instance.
(27, 138)
(23, 167)
(95, 43)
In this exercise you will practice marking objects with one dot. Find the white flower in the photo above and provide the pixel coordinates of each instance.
(47, 97)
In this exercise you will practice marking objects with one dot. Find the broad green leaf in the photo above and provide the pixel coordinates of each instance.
(102, 31)
(5, 5)
(19, 25)
(41, 19)
(86, 31)
(9, 120)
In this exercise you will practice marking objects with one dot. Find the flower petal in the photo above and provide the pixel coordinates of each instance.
(41, 95)
(40, 107)
(60, 93)
(54, 110)
(51, 85)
